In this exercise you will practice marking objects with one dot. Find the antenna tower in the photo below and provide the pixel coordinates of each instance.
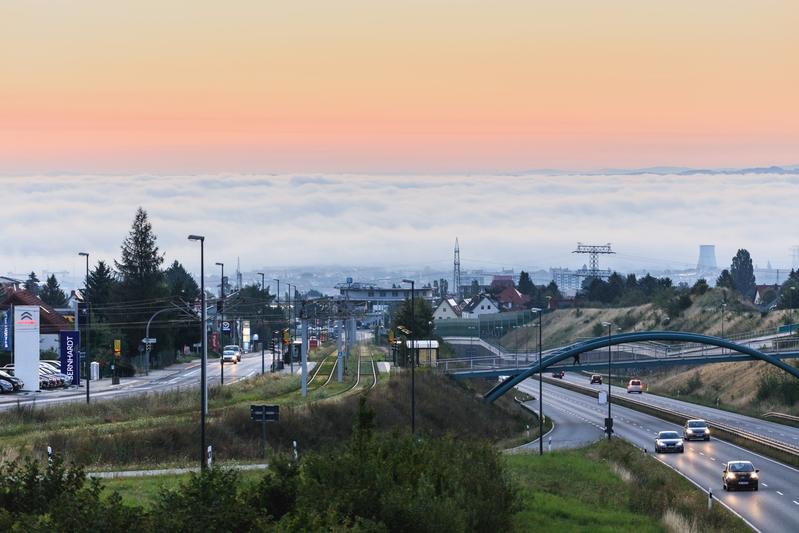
(594, 250)
(456, 270)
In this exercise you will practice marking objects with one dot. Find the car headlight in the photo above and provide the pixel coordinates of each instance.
(730, 475)
(679, 442)
(690, 431)
(659, 442)
(754, 475)
(707, 431)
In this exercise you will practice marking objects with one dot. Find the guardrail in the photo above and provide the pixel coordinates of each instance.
(785, 452)
(784, 416)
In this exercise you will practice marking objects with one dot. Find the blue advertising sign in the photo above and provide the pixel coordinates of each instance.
(70, 360)
(6, 331)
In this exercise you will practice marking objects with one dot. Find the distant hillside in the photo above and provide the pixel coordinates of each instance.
(750, 387)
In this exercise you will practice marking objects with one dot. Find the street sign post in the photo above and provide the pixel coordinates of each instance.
(225, 326)
(264, 414)
(115, 365)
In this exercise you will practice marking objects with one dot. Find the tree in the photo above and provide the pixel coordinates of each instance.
(475, 288)
(724, 280)
(32, 284)
(421, 326)
(100, 286)
(142, 290)
(743, 274)
(182, 286)
(51, 293)
(700, 287)
(526, 285)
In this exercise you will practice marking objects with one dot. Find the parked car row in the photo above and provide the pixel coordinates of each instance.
(50, 377)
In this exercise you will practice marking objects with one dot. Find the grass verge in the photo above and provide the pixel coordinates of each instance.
(610, 488)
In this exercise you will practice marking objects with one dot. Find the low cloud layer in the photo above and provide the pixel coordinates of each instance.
(524, 221)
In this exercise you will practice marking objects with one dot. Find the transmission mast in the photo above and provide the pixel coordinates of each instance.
(456, 270)
(594, 251)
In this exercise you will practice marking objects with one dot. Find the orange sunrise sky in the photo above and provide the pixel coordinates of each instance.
(410, 86)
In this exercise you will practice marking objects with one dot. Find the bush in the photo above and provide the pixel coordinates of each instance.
(598, 330)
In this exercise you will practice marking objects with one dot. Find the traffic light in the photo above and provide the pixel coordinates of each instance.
(286, 338)
(220, 306)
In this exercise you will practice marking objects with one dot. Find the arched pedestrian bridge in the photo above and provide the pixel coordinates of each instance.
(519, 371)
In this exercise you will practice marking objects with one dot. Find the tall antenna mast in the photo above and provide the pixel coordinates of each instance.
(456, 270)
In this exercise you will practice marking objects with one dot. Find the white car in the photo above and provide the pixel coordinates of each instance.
(233, 348)
(635, 386)
(696, 429)
(229, 356)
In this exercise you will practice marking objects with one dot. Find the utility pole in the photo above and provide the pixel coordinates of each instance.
(413, 357)
(340, 330)
(263, 349)
(304, 356)
(204, 356)
(221, 326)
(88, 320)
(274, 367)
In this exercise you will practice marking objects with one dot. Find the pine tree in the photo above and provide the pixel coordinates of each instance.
(743, 274)
(526, 285)
(101, 290)
(32, 284)
(141, 290)
(724, 280)
(51, 293)
(181, 285)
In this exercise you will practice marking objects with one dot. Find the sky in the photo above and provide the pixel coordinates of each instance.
(409, 221)
(419, 86)
(374, 133)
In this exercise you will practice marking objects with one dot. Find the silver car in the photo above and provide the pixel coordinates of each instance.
(669, 441)
(696, 429)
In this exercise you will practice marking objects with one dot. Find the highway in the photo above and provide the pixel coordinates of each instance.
(774, 508)
(180, 376)
(785, 434)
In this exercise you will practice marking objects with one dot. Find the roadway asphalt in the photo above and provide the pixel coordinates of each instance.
(780, 432)
(774, 508)
(180, 376)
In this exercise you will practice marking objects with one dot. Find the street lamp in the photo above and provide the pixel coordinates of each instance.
(540, 383)
(723, 310)
(291, 329)
(274, 366)
(609, 420)
(88, 317)
(204, 355)
(413, 356)
(222, 322)
(263, 353)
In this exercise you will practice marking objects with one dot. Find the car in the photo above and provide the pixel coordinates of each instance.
(13, 380)
(696, 429)
(234, 348)
(596, 378)
(635, 386)
(5, 386)
(739, 475)
(669, 441)
(558, 374)
(229, 356)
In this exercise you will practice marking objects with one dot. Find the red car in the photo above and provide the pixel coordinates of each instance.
(558, 374)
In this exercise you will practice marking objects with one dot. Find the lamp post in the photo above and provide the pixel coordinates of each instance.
(291, 329)
(413, 356)
(274, 367)
(221, 325)
(723, 310)
(88, 317)
(263, 352)
(609, 420)
(204, 355)
(540, 382)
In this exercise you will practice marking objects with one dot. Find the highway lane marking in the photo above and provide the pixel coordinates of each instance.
(712, 458)
(764, 484)
(796, 502)
(781, 494)
(701, 453)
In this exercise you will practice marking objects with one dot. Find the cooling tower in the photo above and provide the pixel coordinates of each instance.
(707, 258)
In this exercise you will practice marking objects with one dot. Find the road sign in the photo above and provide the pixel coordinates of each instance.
(226, 326)
(265, 413)
(148, 340)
